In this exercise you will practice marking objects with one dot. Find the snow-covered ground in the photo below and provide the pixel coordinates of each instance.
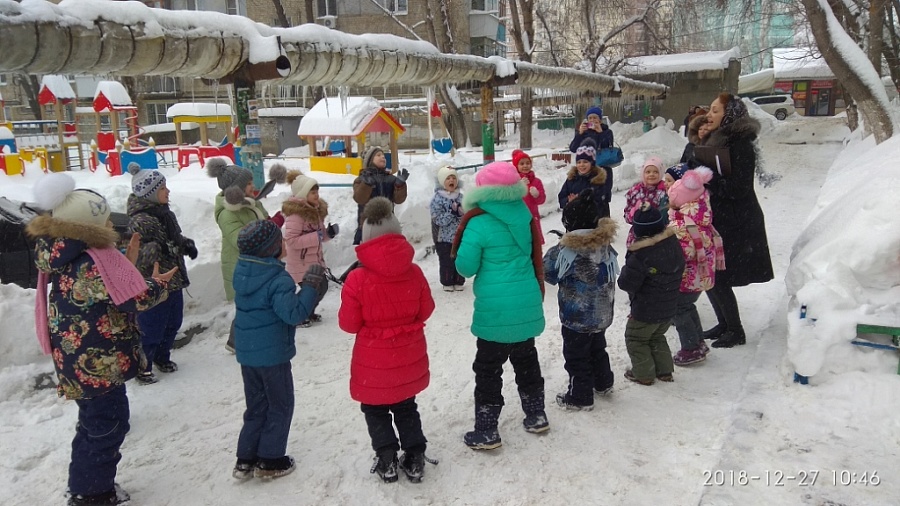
(733, 430)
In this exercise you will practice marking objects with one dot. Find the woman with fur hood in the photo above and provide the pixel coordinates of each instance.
(586, 175)
(89, 326)
(737, 215)
(304, 229)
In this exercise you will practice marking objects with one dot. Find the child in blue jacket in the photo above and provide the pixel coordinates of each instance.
(267, 311)
(584, 266)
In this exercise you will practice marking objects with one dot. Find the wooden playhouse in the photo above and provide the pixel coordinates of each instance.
(333, 125)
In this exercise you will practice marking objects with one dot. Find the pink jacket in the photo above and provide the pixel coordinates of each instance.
(637, 195)
(533, 202)
(304, 233)
(700, 243)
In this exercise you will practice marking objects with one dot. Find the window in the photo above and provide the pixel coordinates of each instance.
(326, 8)
(162, 84)
(3, 80)
(156, 113)
(397, 6)
(231, 7)
(485, 5)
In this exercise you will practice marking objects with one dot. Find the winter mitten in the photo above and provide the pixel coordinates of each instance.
(533, 191)
(190, 249)
(368, 178)
(315, 279)
(332, 230)
(277, 219)
(403, 175)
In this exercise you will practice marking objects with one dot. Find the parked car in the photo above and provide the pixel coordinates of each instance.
(780, 106)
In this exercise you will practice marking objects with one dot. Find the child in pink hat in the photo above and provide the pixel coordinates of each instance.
(651, 188)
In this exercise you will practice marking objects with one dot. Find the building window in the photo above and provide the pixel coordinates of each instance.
(231, 7)
(327, 8)
(162, 84)
(485, 5)
(397, 6)
(3, 80)
(156, 113)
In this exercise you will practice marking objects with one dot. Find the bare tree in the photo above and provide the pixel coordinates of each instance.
(869, 96)
(308, 10)
(31, 86)
(279, 12)
(522, 32)
(440, 18)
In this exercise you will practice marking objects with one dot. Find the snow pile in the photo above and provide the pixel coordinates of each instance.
(845, 266)
(339, 116)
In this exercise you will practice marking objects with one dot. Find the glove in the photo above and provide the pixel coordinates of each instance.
(277, 219)
(533, 191)
(368, 178)
(332, 230)
(190, 249)
(315, 279)
(403, 175)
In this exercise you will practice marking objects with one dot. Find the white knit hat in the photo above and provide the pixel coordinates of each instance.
(445, 172)
(301, 185)
(56, 192)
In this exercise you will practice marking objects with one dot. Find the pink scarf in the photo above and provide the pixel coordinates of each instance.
(121, 278)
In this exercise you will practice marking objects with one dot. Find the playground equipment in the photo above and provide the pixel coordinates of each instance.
(444, 144)
(51, 140)
(337, 122)
(113, 147)
(203, 114)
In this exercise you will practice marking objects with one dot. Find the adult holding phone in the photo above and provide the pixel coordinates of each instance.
(592, 127)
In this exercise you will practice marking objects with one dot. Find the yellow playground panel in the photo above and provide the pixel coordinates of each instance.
(202, 113)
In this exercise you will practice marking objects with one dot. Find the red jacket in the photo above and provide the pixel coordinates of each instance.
(385, 302)
(532, 181)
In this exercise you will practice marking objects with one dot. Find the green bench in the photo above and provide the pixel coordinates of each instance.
(894, 332)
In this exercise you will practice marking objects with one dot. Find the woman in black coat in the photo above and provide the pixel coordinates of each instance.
(736, 212)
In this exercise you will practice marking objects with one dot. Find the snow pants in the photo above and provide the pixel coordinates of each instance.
(100, 432)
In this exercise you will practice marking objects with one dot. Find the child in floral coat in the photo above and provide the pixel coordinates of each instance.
(304, 229)
(446, 214)
(691, 218)
(91, 327)
(651, 188)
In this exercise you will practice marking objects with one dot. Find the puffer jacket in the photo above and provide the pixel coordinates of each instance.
(386, 302)
(652, 275)
(532, 181)
(96, 345)
(496, 248)
(596, 178)
(386, 185)
(442, 214)
(148, 219)
(267, 311)
(304, 233)
(231, 219)
(700, 243)
(584, 266)
(640, 193)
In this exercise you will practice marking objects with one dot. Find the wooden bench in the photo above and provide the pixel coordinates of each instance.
(894, 332)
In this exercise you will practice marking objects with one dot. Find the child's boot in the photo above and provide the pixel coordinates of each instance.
(267, 469)
(115, 496)
(485, 436)
(243, 469)
(535, 417)
(385, 465)
(413, 464)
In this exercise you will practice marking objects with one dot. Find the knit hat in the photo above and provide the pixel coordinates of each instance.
(301, 184)
(581, 212)
(368, 154)
(654, 161)
(379, 219)
(647, 221)
(517, 156)
(586, 151)
(56, 192)
(497, 174)
(689, 187)
(594, 110)
(734, 109)
(232, 179)
(145, 183)
(260, 238)
(445, 172)
(677, 171)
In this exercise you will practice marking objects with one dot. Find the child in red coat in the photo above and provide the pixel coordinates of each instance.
(385, 302)
(536, 195)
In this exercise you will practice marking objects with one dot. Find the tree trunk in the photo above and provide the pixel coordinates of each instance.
(32, 88)
(877, 119)
(279, 12)
(876, 32)
(522, 31)
(441, 34)
(852, 111)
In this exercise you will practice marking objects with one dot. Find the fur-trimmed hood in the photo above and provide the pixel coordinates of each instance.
(589, 240)
(693, 133)
(742, 128)
(482, 194)
(645, 242)
(598, 177)
(92, 235)
(304, 209)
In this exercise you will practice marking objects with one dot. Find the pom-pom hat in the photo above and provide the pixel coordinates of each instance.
(586, 151)
(145, 183)
(647, 221)
(260, 238)
(232, 179)
(56, 192)
(690, 187)
(444, 172)
(497, 174)
(301, 184)
(378, 219)
(518, 155)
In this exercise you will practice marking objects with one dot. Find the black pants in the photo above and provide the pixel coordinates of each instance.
(587, 364)
(488, 367)
(725, 305)
(381, 426)
(449, 276)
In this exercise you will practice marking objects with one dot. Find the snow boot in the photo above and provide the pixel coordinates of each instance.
(244, 468)
(267, 469)
(167, 366)
(730, 339)
(603, 392)
(564, 401)
(715, 332)
(146, 378)
(665, 378)
(385, 465)
(485, 436)
(687, 357)
(630, 377)
(114, 496)
(413, 464)
(535, 420)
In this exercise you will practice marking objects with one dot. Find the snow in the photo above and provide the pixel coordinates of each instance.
(738, 411)
(198, 109)
(59, 86)
(114, 92)
(681, 62)
(6, 133)
(799, 63)
(168, 127)
(345, 117)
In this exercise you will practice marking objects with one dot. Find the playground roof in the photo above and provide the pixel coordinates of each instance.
(5, 133)
(111, 95)
(347, 117)
(682, 62)
(55, 88)
(197, 110)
